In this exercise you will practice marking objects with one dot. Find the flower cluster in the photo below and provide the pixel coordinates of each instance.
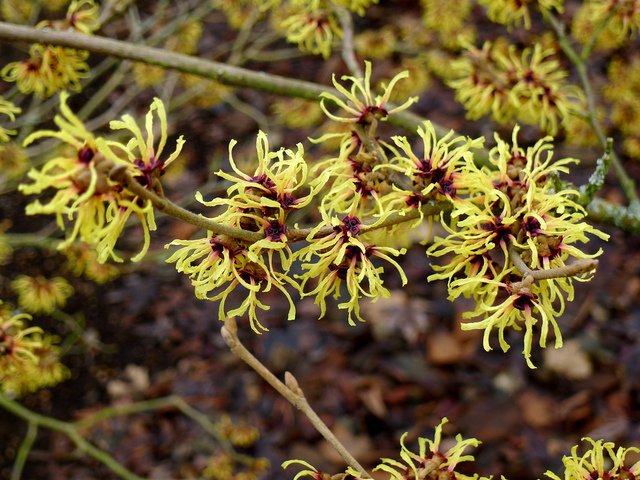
(45, 371)
(82, 259)
(359, 102)
(511, 238)
(80, 176)
(450, 21)
(41, 295)
(623, 90)
(258, 203)
(431, 462)
(612, 22)
(341, 256)
(82, 16)
(352, 177)
(514, 12)
(17, 341)
(602, 460)
(313, 25)
(434, 173)
(28, 358)
(51, 68)
(529, 86)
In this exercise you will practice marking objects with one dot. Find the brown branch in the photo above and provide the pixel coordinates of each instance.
(575, 268)
(291, 391)
(119, 174)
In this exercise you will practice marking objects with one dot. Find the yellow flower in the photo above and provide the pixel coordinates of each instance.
(45, 371)
(477, 228)
(515, 311)
(430, 461)
(276, 183)
(624, 19)
(17, 343)
(513, 210)
(354, 185)
(85, 193)
(446, 18)
(67, 68)
(588, 19)
(41, 295)
(261, 202)
(146, 75)
(28, 358)
(82, 259)
(33, 74)
(482, 79)
(9, 110)
(603, 461)
(510, 12)
(622, 90)
(541, 91)
(218, 263)
(359, 103)
(80, 178)
(47, 70)
(82, 16)
(311, 25)
(379, 43)
(528, 85)
(145, 156)
(239, 434)
(219, 467)
(435, 173)
(340, 257)
(315, 474)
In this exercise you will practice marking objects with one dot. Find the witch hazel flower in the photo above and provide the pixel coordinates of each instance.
(359, 103)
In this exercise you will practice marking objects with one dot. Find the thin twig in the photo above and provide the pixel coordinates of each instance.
(24, 450)
(626, 219)
(120, 175)
(348, 51)
(626, 182)
(67, 429)
(221, 72)
(291, 391)
(428, 209)
(577, 267)
(518, 262)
